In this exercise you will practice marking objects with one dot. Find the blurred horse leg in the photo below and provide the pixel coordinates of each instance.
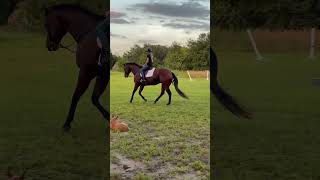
(140, 93)
(99, 88)
(84, 78)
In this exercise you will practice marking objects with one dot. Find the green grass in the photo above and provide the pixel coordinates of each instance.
(170, 141)
(281, 142)
(36, 89)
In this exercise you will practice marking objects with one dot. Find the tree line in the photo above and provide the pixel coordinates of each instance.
(249, 15)
(29, 14)
(192, 56)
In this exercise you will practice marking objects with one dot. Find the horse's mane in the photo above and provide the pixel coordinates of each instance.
(131, 63)
(76, 7)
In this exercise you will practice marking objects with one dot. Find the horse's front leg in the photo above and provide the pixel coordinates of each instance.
(136, 85)
(84, 79)
(140, 93)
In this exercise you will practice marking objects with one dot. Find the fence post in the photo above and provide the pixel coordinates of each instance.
(312, 43)
(189, 76)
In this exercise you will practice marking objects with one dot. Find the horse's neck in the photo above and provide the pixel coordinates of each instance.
(78, 29)
(135, 70)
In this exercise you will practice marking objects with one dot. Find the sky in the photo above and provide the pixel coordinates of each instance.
(156, 22)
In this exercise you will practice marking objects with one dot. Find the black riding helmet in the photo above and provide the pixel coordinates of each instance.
(149, 50)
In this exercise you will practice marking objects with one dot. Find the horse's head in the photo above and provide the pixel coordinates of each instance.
(127, 70)
(55, 29)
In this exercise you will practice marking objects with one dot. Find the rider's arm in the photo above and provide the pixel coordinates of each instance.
(102, 32)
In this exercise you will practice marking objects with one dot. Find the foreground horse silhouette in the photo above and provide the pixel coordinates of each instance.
(81, 24)
(223, 97)
(163, 76)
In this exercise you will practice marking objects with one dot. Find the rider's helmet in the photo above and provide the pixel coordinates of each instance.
(149, 50)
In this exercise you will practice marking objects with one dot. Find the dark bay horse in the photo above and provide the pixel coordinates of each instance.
(223, 97)
(81, 24)
(163, 76)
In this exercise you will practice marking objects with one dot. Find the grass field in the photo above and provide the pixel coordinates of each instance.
(36, 89)
(164, 141)
(282, 141)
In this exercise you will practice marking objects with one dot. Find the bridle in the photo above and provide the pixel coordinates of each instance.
(67, 47)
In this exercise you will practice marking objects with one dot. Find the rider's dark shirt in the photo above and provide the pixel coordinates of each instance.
(149, 60)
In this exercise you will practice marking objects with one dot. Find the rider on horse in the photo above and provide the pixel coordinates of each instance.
(102, 40)
(147, 66)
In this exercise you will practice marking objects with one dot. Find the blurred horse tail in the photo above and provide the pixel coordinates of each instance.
(222, 96)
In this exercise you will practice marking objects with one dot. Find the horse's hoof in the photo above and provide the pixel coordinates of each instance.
(66, 128)
(130, 101)
(154, 102)
(145, 100)
(168, 103)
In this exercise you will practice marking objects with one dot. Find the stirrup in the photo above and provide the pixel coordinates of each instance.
(142, 80)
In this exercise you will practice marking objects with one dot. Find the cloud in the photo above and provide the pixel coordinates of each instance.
(199, 1)
(188, 25)
(146, 41)
(190, 9)
(119, 36)
(116, 14)
(118, 18)
(119, 21)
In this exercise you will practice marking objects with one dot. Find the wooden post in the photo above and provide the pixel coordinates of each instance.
(189, 76)
(312, 43)
(254, 45)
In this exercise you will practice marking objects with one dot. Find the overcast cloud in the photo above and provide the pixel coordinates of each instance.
(157, 22)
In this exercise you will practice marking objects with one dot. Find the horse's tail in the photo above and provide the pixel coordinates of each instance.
(175, 83)
(223, 97)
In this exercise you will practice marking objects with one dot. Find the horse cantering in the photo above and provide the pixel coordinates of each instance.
(81, 24)
(161, 75)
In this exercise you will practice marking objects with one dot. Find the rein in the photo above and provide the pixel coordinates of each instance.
(77, 40)
(67, 47)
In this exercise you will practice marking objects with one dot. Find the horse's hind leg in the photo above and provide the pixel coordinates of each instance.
(134, 91)
(161, 94)
(140, 93)
(84, 79)
(169, 94)
(99, 88)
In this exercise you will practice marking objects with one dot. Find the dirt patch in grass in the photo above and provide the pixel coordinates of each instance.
(125, 167)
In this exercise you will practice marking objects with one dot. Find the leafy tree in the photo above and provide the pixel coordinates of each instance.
(273, 14)
(32, 10)
(5, 10)
(195, 56)
(198, 53)
(176, 56)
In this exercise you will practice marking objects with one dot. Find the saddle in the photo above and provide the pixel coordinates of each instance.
(149, 73)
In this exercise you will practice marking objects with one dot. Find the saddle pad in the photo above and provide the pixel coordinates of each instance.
(150, 72)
